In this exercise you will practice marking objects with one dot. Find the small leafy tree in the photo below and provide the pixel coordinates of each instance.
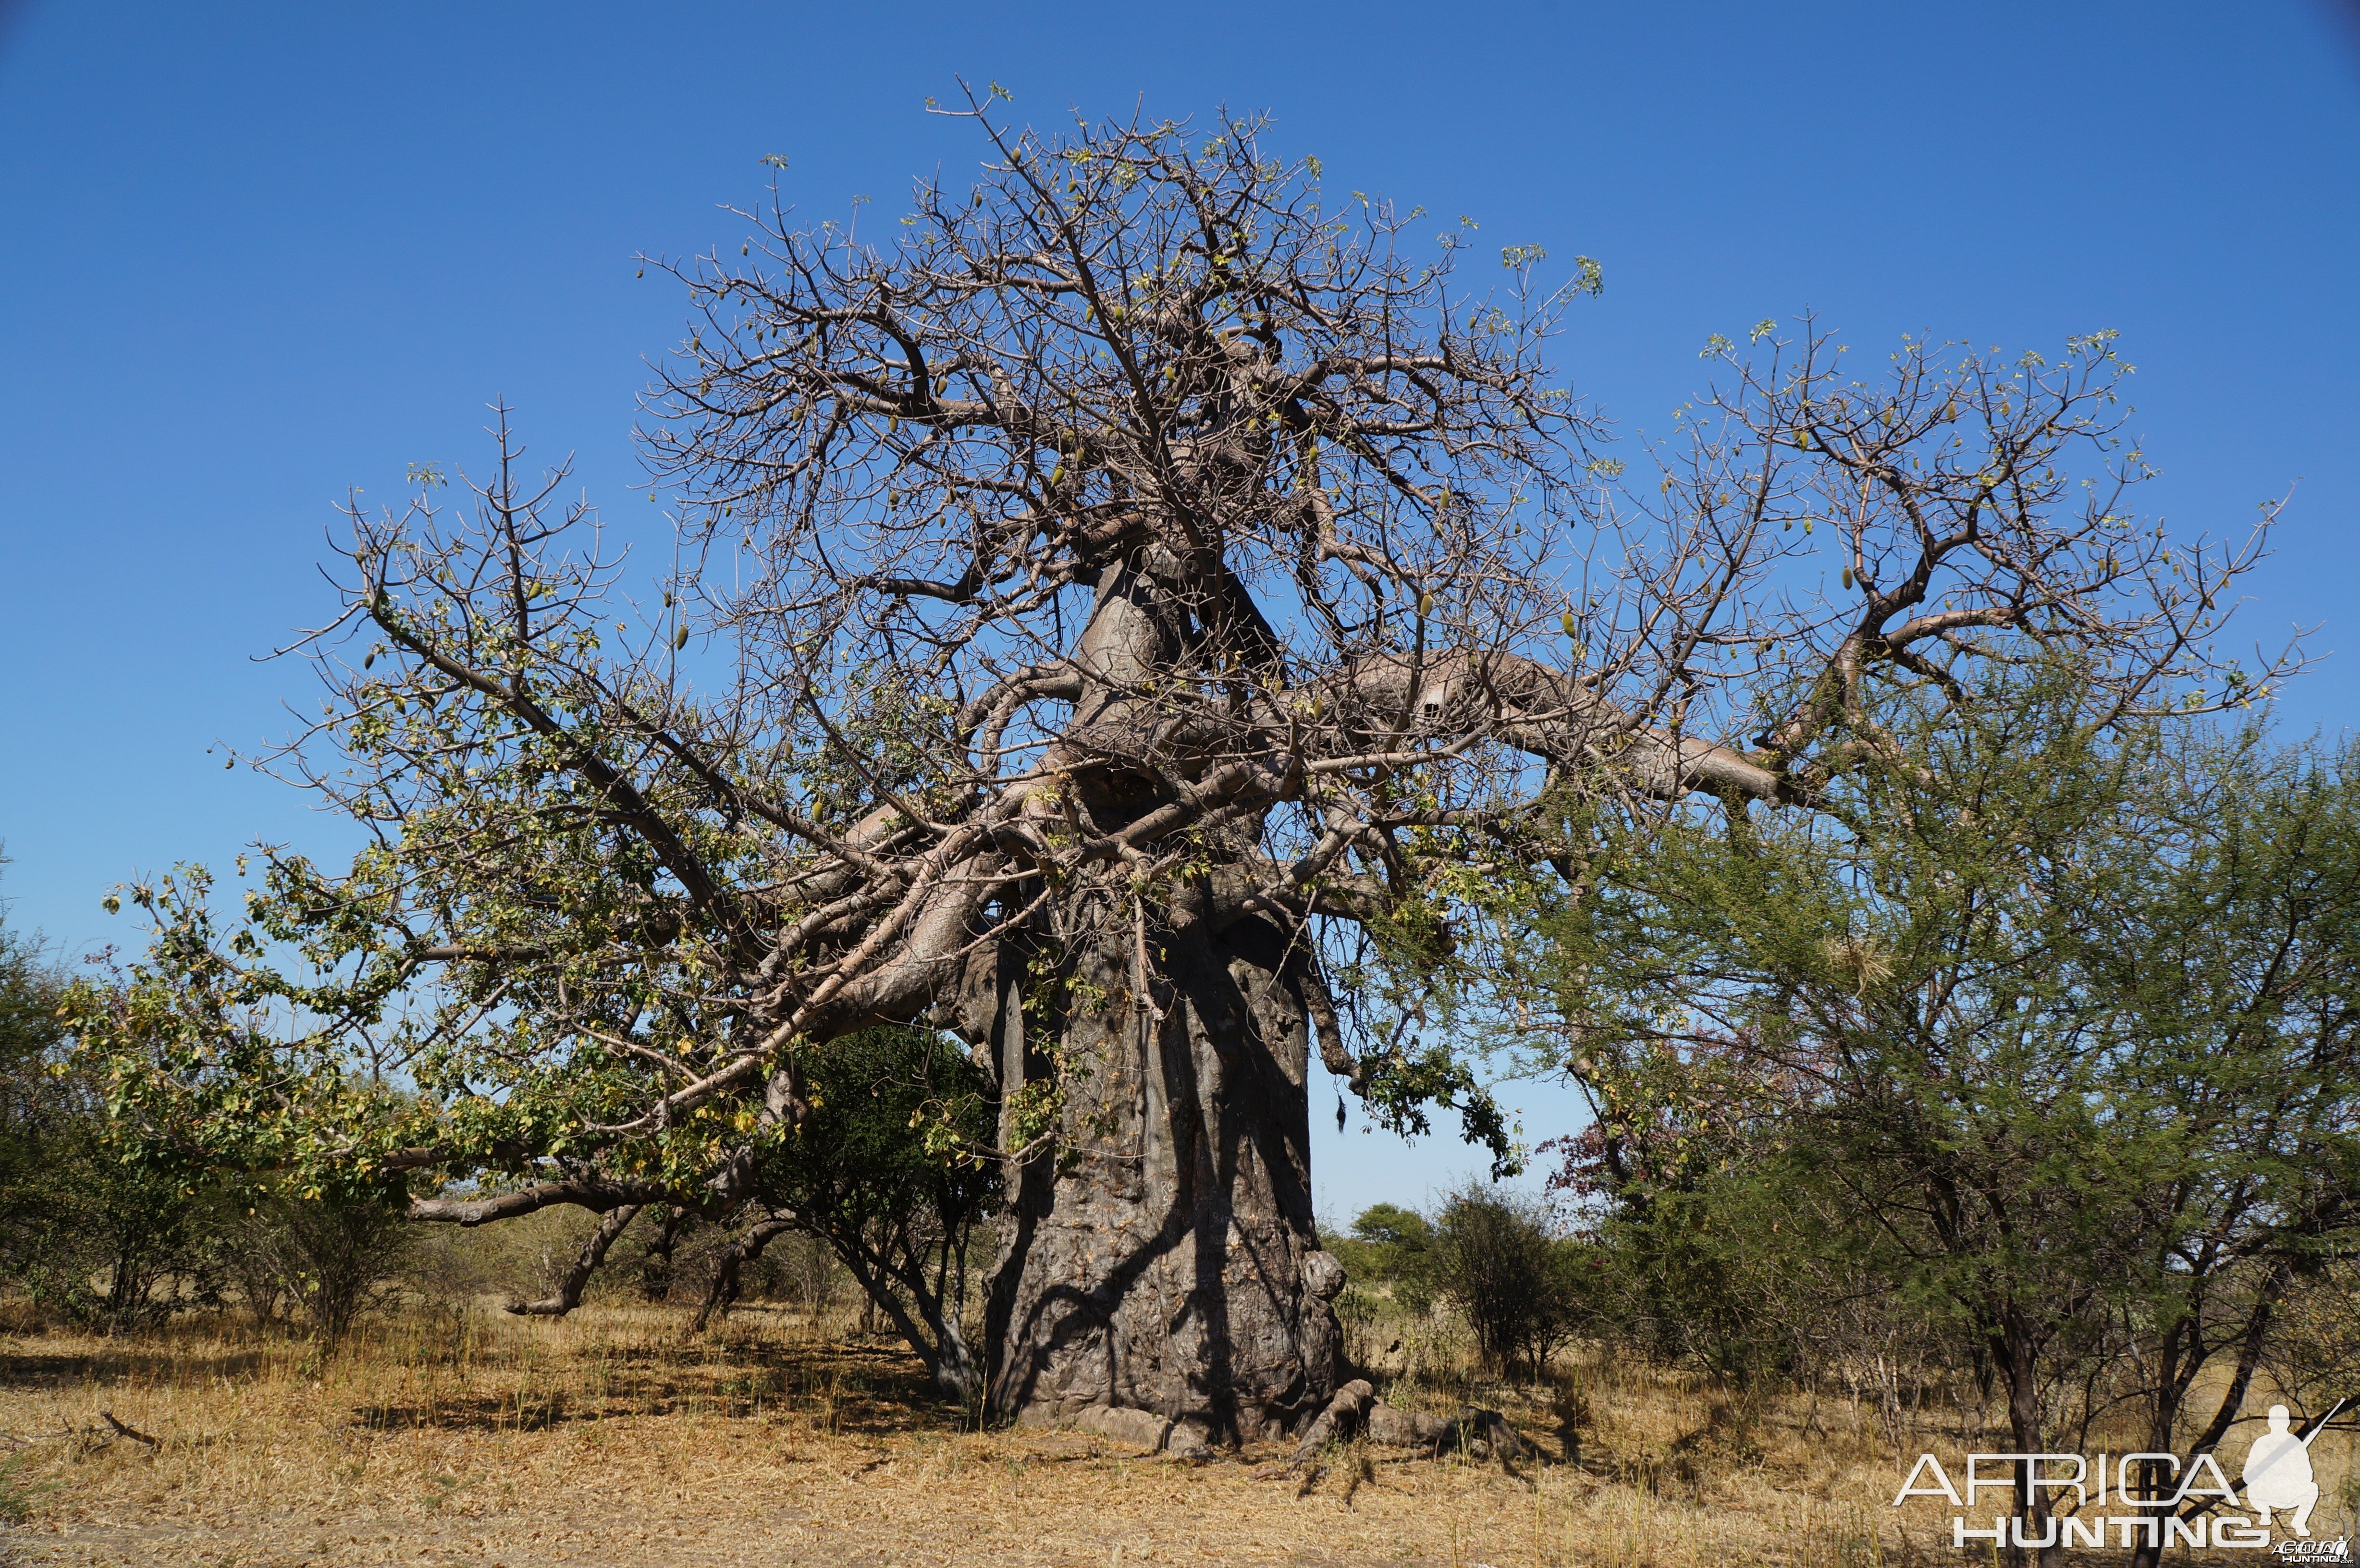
(1402, 1236)
(892, 1170)
(100, 1233)
(1518, 1285)
(331, 1254)
(86, 1226)
(33, 1121)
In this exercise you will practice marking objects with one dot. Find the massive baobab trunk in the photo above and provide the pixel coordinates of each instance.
(1161, 1255)
(1157, 1245)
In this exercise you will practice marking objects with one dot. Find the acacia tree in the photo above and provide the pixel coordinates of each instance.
(1143, 615)
(2049, 1034)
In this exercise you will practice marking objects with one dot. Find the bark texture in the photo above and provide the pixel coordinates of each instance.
(1167, 1262)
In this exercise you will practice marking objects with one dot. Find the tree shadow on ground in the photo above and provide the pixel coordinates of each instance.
(131, 1362)
(855, 1388)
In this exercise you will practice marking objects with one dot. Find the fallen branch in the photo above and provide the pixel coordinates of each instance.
(132, 1433)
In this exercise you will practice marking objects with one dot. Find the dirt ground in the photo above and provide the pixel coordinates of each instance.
(468, 1438)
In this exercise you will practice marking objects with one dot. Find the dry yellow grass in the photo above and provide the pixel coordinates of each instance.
(469, 1438)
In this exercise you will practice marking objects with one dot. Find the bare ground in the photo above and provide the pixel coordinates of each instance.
(468, 1438)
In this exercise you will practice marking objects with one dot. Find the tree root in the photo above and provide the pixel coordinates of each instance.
(1356, 1411)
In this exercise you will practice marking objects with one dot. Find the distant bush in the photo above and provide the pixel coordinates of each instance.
(1400, 1242)
(327, 1257)
(1521, 1288)
(1389, 1245)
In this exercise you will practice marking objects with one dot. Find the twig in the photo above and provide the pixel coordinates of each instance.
(122, 1431)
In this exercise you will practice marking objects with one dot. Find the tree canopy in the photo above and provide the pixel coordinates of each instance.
(2047, 1030)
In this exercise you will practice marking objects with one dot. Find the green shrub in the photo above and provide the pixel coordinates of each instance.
(329, 1257)
(85, 1229)
(1521, 1289)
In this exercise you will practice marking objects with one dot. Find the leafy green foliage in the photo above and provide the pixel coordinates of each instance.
(1387, 1244)
(895, 1160)
(2047, 1030)
(1522, 1288)
(1406, 1233)
(86, 1226)
(893, 1168)
(330, 1258)
(30, 1038)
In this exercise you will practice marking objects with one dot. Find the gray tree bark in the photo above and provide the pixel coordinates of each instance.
(1157, 1256)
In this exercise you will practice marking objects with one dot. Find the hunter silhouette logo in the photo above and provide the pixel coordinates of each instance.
(2277, 1480)
(2278, 1471)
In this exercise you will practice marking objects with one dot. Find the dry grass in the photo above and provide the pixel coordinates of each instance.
(471, 1438)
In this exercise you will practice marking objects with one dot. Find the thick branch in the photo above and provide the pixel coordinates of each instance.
(594, 1252)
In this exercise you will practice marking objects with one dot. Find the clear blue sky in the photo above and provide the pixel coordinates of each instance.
(251, 255)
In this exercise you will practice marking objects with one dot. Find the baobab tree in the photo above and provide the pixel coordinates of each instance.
(1140, 610)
